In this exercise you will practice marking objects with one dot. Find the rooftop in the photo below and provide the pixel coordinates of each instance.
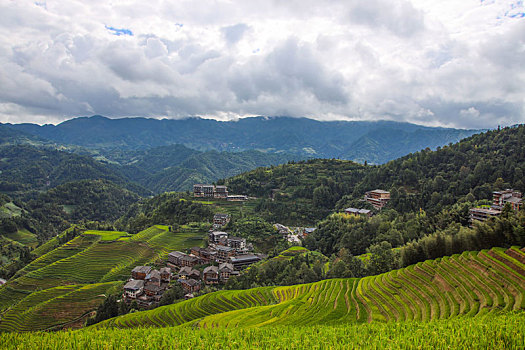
(223, 248)
(224, 266)
(244, 258)
(489, 211)
(219, 233)
(134, 285)
(212, 269)
(191, 282)
(142, 269)
(177, 254)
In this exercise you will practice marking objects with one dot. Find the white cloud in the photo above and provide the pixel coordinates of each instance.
(448, 62)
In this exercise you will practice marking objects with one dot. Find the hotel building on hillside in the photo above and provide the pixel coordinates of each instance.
(378, 198)
(210, 191)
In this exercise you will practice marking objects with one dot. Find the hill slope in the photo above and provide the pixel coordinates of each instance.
(68, 281)
(178, 168)
(473, 283)
(299, 136)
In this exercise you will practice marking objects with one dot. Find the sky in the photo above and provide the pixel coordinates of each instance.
(452, 63)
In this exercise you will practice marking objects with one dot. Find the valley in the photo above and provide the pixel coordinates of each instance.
(416, 258)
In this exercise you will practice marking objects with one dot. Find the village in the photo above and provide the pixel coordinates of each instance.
(226, 256)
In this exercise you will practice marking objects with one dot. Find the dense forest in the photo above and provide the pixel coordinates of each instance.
(375, 142)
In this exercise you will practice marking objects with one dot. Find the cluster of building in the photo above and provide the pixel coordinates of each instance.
(377, 198)
(294, 234)
(227, 255)
(219, 192)
(499, 200)
(147, 285)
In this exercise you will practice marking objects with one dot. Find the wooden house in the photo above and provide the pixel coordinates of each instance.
(187, 272)
(140, 272)
(190, 285)
(211, 275)
(133, 289)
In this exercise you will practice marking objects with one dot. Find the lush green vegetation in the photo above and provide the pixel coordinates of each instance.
(470, 284)
(504, 331)
(298, 193)
(109, 235)
(26, 167)
(155, 171)
(167, 208)
(55, 308)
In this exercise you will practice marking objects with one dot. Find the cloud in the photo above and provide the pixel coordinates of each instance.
(232, 34)
(399, 17)
(443, 63)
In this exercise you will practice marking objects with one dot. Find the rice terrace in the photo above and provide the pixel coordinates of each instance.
(246, 175)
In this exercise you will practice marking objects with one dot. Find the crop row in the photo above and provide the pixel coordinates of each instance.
(54, 307)
(471, 284)
(505, 331)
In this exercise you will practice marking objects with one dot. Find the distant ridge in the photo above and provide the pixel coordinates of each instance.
(372, 141)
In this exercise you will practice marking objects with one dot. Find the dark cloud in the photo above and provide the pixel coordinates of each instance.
(400, 60)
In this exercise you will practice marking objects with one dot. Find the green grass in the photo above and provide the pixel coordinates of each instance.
(24, 237)
(505, 331)
(108, 235)
(291, 252)
(9, 210)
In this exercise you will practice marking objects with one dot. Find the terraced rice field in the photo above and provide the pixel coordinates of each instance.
(108, 235)
(190, 310)
(505, 331)
(470, 284)
(55, 307)
(87, 259)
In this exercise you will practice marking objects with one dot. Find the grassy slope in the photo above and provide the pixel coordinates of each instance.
(471, 284)
(87, 260)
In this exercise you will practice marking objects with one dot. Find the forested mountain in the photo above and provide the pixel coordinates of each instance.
(296, 192)
(375, 142)
(196, 167)
(469, 170)
(26, 168)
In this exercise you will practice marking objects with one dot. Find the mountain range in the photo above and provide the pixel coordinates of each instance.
(375, 142)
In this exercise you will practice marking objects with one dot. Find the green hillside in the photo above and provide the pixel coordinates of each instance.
(298, 192)
(470, 284)
(90, 264)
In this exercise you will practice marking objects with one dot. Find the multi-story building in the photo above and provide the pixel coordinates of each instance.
(242, 261)
(140, 272)
(216, 237)
(224, 253)
(483, 214)
(378, 198)
(237, 243)
(210, 191)
(220, 220)
(514, 198)
(220, 192)
(180, 259)
(133, 288)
